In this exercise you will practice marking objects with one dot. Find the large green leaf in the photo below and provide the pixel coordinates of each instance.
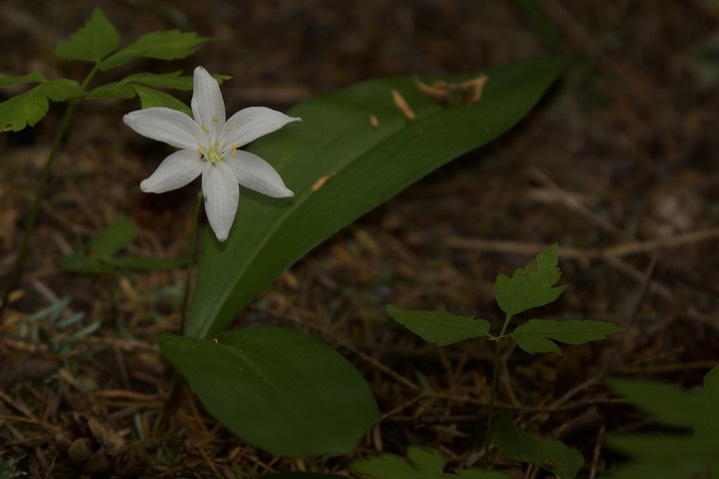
(364, 165)
(282, 391)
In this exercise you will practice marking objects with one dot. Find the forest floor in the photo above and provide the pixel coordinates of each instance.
(619, 165)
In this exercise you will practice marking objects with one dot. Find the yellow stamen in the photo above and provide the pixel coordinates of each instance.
(204, 128)
(202, 151)
(228, 127)
(234, 149)
(215, 119)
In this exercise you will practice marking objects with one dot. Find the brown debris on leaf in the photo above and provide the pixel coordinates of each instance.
(467, 92)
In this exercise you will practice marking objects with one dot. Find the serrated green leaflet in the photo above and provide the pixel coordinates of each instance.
(438, 327)
(549, 454)
(92, 42)
(531, 286)
(538, 335)
(360, 166)
(9, 80)
(284, 392)
(149, 97)
(29, 107)
(168, 45)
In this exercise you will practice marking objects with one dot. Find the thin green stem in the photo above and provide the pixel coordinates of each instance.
(190, 261)
(16, 272)
(493, 391)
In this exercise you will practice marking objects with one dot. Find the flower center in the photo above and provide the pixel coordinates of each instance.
(213, 156)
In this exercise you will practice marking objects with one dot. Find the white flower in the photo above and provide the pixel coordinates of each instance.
(209, 146)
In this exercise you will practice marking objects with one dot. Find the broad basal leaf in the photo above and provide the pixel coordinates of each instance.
(168, 45)
(549, 454)
(354, 149)
(531, 286)
(438, 327)
(284, 392)
(92, 42)
(538, 335)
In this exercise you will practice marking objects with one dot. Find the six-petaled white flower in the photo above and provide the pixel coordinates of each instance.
(209, 146)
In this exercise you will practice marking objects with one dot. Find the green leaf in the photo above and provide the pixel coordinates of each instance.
(669, 404)
(670, 454)
(363, 165)
(547, 453)
(440, 328)
(284, 392)
(150, 97)
(168, 45)
(302, 475)
(24, 109)
(9, 80)
(31, 106)
(103, 247)
(62, 89)
(115, 237)
(531, 286)
(421, 463)
(479, 474)
(711, 381)
(161, 80)
(664, 456)
(92, 42)
(538, 335)
(112, 90)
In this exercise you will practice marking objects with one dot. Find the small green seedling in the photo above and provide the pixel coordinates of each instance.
(529, 287)
(101, 255)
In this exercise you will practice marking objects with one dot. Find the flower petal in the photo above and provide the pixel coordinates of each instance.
(251, 123)
(256, 174)
(175, 171)
(167, 125)
(222, 195)
(208, 107)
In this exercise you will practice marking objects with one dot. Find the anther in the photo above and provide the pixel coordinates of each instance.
(204, 128)
(234, 149)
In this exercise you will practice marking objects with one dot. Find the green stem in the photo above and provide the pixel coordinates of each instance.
(16, 272)
(493, 391)
(190, 261)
